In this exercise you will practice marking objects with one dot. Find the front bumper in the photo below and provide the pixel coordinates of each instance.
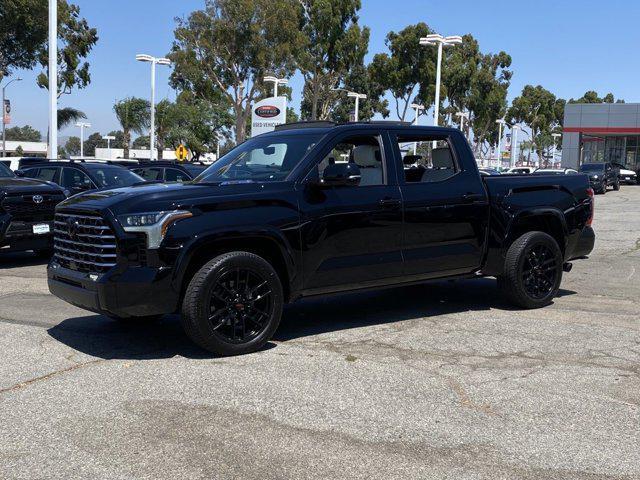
(18, 236)
(132, 292)
(629, 179)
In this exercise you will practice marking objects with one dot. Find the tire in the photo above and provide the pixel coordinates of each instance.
(616, 186)
(603, 190)
(517, 285)
(233, 304)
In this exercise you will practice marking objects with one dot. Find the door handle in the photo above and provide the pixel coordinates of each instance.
(472, 197)
(390, 202)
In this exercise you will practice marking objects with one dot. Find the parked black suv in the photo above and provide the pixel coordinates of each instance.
(26, 212)
(601, 175)
(81, 176)
(312, 211)
(168, 171)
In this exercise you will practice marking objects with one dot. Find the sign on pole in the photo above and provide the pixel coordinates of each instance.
(182, 153)
(268, 113)
(6, 113)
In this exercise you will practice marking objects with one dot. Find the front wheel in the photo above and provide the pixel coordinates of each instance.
(233, 304)
(532, 270)
(616, 186)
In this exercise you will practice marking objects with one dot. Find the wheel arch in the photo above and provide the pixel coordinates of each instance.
(548, 220)
(269, 245)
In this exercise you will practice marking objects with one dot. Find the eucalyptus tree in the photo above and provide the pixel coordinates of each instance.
(223, 51)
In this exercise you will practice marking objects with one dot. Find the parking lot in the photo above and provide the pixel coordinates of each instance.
(442, 380)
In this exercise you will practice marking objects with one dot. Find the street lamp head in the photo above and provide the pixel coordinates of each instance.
(163, 61)
(501, 121)
(361, 96)
(270, 78)
(453, 40)
(283, 81)
(83, 124)
(143, 57)
(108, 137)
(417, 106)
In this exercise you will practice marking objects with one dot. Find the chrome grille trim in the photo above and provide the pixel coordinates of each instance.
(84, 243)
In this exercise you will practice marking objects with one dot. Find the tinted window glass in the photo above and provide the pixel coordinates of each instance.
(426, 159)
(5, 172)
(114, 177)
(74, 179)
(175, 175)
(47, 173)
(149, 174)
(264, 159)
(365, 151)
(592, 167)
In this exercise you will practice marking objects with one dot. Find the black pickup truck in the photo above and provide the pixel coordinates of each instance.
(26, 212)
(314, 209)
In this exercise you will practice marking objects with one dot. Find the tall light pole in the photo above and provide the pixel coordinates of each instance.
(152, 130)
(82, 126)
(500, 123)
(4, 146)
(555, 140)
(53, 79)
(514, 144)
(108, 138)
(463, 116)
(358, 97)
(440, 41)
(418, 108)
(276, 81)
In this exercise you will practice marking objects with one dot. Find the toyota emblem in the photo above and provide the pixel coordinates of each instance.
(38, 199)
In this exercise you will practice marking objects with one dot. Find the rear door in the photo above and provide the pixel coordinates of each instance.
(446, 209)
(351, 235)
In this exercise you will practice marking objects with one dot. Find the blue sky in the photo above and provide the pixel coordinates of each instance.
(567, 46)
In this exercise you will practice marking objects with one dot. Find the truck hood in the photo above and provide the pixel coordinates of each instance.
(27, 185)
(161, 196)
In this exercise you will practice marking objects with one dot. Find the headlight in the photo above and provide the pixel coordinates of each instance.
(595, 177)
(153, 224)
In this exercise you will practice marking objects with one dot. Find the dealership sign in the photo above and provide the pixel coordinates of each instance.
(268, 113)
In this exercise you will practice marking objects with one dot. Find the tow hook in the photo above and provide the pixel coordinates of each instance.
(567, 267)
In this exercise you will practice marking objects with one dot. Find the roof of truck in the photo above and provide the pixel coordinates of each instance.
(324, 127)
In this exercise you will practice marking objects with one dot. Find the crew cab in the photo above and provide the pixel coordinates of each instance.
(601, 175)
(626, 175)
(314, 209)
(26, 212)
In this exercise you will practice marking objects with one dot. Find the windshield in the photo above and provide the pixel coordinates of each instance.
(195, 170)
(5, 172)
(114, 177)
(592, 167)
(260, 159)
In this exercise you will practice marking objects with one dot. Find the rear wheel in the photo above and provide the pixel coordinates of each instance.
(532, 270)
(233, 304)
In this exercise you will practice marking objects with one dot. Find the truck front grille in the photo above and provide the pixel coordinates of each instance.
(33, 207)
(85, 243)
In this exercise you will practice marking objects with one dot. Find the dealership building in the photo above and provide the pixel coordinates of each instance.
(601, 132)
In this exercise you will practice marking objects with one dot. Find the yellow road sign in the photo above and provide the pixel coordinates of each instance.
(182, 152)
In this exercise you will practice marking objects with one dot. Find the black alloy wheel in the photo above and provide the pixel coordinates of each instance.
(233, 304)
(539, 271)
(240, 305)
(532, 270)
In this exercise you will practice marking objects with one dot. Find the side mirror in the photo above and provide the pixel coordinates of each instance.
(19, 173)
(341, 175)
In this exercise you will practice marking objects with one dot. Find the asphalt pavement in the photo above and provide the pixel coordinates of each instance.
(438, 381)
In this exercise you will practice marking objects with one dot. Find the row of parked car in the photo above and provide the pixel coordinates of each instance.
(29, 195)
(602, 175)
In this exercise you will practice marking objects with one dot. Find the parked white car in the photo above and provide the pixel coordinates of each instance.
(626, 175)
(521, 170)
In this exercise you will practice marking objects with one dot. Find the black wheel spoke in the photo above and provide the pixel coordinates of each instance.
(539, 271)
(240, 304)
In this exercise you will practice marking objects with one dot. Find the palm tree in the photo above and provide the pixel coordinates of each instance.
(133, 115)
(68, 115)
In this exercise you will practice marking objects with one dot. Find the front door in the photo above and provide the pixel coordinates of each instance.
(351, 235)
